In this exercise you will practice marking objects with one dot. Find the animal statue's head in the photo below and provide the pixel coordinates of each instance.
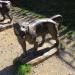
(24, 27)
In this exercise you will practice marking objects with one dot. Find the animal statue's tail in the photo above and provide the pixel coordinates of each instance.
(57, 18)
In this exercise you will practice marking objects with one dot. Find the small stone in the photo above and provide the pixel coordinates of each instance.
(70, 74)
(7, 20)
(36, 66)
(33, 72)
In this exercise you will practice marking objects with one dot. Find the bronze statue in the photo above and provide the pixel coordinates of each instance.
(5, 9)
(26, 31)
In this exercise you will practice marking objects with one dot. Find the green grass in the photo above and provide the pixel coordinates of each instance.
(62, 47)
(70, 34)
(23, 69)
(20, 68)
(24, 12)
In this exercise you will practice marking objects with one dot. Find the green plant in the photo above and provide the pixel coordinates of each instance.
(23, 69)
(24, 12)
(70, 34)
(62, 47)
(20, 68)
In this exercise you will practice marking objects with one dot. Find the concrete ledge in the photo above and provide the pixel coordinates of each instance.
(43, 57)
(4, 25)
(43, 53)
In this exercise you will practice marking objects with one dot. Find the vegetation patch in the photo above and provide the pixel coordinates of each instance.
(25, 12)
(71, 35)
(62, 47)
(20, 68)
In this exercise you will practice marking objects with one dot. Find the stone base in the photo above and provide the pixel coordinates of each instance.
(43, 57)
(43, 53)
(4, 24)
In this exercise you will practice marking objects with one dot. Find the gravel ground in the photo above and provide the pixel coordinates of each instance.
(10, 49)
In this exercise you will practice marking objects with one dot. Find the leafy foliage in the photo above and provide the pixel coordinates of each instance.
(21, 69)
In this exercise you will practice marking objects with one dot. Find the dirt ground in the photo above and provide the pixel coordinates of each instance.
(10, 49)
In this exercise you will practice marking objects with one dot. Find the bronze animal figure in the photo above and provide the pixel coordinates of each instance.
(30, 31)
(5, 9)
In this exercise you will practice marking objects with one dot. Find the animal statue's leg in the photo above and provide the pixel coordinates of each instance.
(3, 15)
(43, 40)
(7, 14)
(35, 45)
(53, 32)
(23, 44)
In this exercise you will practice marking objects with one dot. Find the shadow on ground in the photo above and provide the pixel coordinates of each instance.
(10, 70)
(70, 58)
(32, 55)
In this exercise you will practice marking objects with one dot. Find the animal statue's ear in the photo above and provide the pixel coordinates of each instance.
(16, 28)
